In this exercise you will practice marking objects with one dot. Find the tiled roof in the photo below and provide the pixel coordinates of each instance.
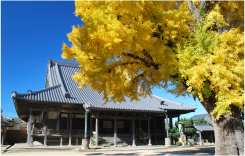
(63, 89)
(206, 117)
(7, 121)
(203, 127)
(170, 105)
(51, 94)
(196, 117)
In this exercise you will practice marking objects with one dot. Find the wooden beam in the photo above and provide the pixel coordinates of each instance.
(90, 129)
(3, 135)
(59, 110)
(133, 129)
(97, 131)
(86, 125)
(58, 122)
(70, 129)
(61, 141)
(149, 131)
(118, 117)
(29, 128)
(45, 114)
(167, 123)
(115, 132)
(155, 127)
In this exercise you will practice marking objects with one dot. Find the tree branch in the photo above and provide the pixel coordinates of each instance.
(146, 62)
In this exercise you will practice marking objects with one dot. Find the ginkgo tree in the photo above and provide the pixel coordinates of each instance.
(125, 49)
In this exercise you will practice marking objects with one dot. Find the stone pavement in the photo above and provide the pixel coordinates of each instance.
(21, 149)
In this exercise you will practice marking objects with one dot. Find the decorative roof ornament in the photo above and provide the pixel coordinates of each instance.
(162, 102)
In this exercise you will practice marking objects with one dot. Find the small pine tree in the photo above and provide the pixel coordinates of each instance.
(174, 134)
(188, 127)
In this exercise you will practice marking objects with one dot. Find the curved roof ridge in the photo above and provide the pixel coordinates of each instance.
(166, 99)
(60, 63)
(61, 81)
(180, 104)
(38, 91)
(49, 74)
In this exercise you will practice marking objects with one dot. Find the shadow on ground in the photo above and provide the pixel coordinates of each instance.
(197, 151)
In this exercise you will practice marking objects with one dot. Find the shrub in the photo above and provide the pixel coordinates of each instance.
(178, 143)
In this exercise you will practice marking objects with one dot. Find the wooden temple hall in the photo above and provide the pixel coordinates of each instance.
(62, 114)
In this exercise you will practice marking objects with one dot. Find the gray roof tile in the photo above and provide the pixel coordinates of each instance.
(196, 117)
(203, 127)
(60, 79)
(7, 121)
(206, 117)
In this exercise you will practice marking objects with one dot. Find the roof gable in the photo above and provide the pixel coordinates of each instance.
(62, 88)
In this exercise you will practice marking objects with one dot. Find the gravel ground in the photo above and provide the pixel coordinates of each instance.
(194, 150)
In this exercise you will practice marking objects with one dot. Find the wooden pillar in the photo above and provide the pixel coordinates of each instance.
(3, 136)
(140, 124)
(45, 127)
(58, 123)
(61, 141)
(70, 129)
(200, 137)
(29, 128)
(97, 131)
(115, 132)
(31, 139)
(90, 132)
(39, 118)
(86, 124)
(133, 131)
(171, 122)
(149, 131)
(155, 127)
(130, 126)
(76, 141)
(166, 123)
(67, 125)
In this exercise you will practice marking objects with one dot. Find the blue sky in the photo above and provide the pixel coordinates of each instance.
(32, 32)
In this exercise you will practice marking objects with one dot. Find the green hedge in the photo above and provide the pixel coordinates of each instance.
(178, 143)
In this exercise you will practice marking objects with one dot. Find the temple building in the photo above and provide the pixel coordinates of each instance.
(5, 123)
(61, 111)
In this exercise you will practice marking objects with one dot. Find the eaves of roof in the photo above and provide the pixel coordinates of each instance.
(203, 127)
(59, 77)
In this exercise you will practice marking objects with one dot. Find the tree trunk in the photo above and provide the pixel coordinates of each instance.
(229, 130)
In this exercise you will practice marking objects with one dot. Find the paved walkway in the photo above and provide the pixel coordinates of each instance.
(21, 149)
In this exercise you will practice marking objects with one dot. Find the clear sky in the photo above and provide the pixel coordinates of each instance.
(32, 32)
